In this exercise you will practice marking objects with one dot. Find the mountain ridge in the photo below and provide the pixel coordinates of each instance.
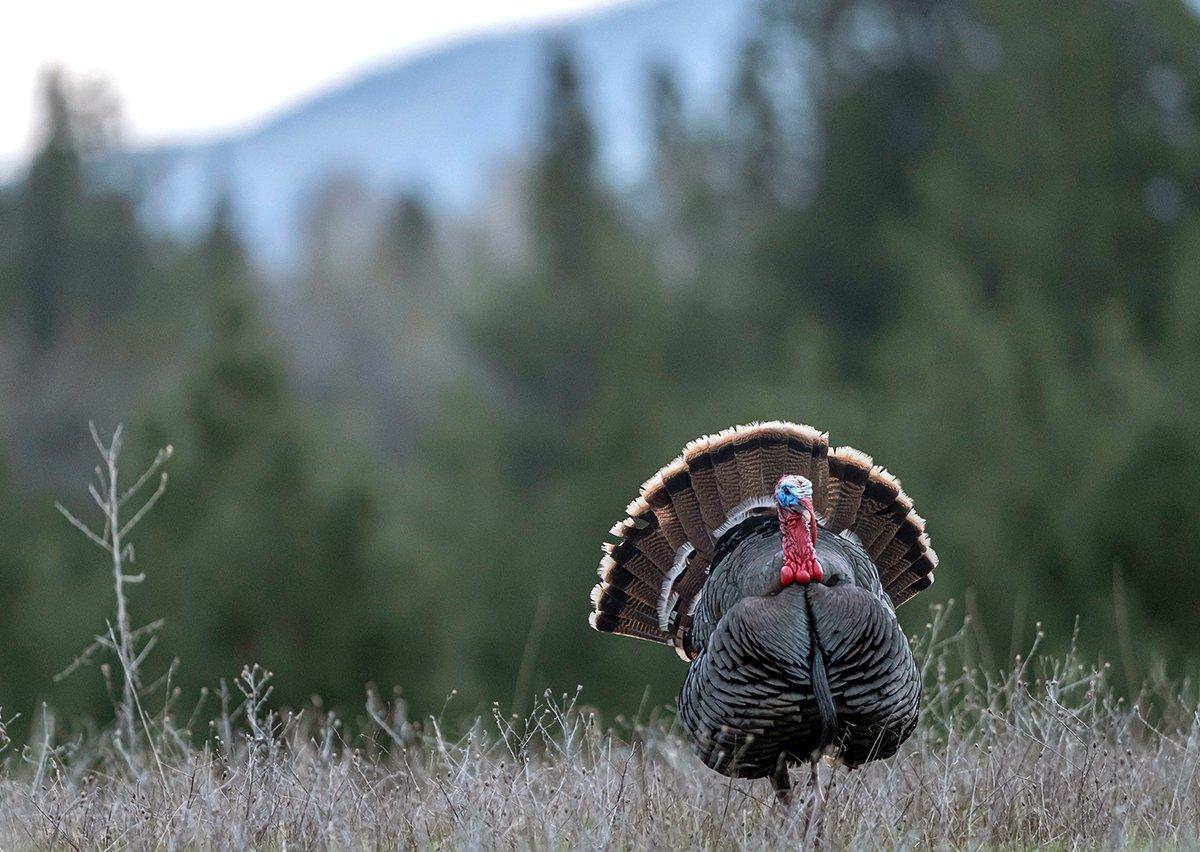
(444, 123)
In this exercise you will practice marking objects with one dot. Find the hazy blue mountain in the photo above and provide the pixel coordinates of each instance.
(448, 123)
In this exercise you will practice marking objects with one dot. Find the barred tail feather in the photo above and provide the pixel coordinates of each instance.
(686, 504)
(848, 473)
(654, 492)
(747, 449)
(699, 459)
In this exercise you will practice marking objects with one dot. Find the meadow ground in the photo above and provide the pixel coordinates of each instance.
(1047, 755)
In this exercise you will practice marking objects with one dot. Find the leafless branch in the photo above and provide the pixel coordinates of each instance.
(141, 513)
(82, 527)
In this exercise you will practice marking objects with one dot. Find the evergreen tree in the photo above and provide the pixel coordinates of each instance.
(754, 131)
(49, 258)
(671, 143)
(408, 251)
(565, 195)
(687, 206)
(78, 248)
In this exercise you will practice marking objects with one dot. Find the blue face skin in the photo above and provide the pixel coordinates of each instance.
(787, 496)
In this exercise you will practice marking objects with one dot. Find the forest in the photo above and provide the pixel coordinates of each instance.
(963, 236)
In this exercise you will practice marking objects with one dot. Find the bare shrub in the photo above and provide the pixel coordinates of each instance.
(128, 644)
(5, 740)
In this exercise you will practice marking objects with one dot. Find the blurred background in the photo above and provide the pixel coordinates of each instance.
(417, 327)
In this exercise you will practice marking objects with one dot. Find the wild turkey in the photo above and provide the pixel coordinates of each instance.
(774, 565)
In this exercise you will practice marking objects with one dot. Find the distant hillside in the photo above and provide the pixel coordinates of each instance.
(445, 124)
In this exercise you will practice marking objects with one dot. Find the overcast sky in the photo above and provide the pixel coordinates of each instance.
(184, 69)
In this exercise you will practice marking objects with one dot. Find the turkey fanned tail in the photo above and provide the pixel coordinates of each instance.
(652, 574)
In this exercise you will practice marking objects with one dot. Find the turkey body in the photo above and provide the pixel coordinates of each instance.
(769, 657)
(788, 658)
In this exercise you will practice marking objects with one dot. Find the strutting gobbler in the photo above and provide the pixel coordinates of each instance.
(774, 564)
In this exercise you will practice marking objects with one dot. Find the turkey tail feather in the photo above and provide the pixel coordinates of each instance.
(848, 473)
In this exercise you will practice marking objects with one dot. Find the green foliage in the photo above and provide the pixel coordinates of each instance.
(961, 236)
(1018, 186)
(284, 566)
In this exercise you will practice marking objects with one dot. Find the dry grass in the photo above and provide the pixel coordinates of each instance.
(1053, 759)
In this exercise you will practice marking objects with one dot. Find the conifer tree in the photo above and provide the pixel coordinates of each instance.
(48, 260)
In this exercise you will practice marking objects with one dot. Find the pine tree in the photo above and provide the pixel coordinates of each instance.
(78, 247)
(754, 131)
(408, 252)
(50, 201)
(565, 195)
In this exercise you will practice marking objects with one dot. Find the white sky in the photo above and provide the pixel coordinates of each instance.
(185, 69)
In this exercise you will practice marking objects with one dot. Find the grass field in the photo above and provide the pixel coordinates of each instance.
(1047, 756)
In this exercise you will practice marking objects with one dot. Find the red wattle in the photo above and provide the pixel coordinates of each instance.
(800, 563)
